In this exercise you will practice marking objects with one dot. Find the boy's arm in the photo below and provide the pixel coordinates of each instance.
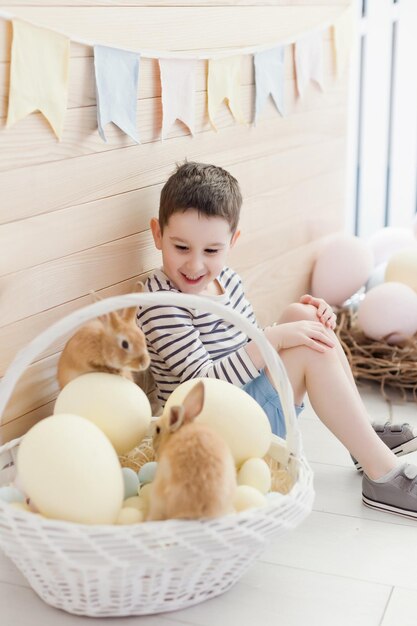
(174, 341)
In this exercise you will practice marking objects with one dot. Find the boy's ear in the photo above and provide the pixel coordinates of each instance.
(156, 233)
(234, 238)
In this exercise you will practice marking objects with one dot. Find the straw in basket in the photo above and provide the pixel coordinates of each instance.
(150, 567)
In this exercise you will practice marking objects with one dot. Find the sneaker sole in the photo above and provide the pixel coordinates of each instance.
(404, 448)
(381, 506)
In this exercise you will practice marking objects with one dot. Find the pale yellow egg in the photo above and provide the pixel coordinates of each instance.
(116, 405)
(129, 515)
(255, 472)
(145, 493)
(70, 470)
(247, 497)
(402, 268)
(135, 502)
(233, 414)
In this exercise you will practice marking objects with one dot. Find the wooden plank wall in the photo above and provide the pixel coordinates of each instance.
(74, 214)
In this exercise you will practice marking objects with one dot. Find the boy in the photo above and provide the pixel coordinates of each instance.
(197, 227)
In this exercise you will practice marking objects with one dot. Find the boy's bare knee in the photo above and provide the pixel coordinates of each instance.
(298, 311)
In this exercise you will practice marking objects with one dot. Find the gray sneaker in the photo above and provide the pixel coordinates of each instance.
(396, 493)
(401, 438)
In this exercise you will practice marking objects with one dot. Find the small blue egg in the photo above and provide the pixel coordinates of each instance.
(11, 494)
(147, 472)
(131, 482)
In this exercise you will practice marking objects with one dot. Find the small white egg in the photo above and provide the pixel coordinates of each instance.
(247, 497)
(147, 472)
(129, 515)
(255, 472)
(131, 482)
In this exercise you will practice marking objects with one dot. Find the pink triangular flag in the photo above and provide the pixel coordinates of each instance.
(309, 60)
(178, 93)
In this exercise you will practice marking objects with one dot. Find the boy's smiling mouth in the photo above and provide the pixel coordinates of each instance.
(192, 280)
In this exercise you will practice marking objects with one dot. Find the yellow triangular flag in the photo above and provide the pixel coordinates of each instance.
(343, 34)
(224, 84)
(38, 75)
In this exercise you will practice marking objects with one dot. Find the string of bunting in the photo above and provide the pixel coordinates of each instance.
(40, 67)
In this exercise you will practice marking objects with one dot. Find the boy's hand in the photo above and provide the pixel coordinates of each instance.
(324, 311)
(302, 333)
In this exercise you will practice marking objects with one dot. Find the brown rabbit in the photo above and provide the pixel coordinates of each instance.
(112, 343)
(196, 475)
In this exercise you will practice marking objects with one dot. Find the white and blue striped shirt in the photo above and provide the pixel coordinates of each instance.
(186, 343)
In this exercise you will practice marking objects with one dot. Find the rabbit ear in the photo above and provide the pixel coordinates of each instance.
(193, 402)
(176, 418)
(130, 314)
(111, 320)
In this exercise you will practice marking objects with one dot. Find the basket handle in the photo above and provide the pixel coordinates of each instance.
(79, 317)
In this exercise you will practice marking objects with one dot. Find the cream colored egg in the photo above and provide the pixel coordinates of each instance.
(247, 497)
(116, 405)
(402, 268)
(129, 515)
(70, 470)
(233, 414)
(255, 473)
(135, 502)
(145, 493)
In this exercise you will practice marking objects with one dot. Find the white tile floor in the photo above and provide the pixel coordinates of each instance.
(345, 564)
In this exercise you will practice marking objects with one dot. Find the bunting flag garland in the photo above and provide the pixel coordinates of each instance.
(40, 63)
(269, 78)
(223, 83)
(38, 75)
(117, 76)
(309, 61)
(178, 93)
(343, 34)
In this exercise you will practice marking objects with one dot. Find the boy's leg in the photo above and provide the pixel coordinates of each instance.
(332, 390)
(338, 405)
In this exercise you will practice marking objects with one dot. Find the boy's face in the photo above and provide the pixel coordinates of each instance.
(194, 249)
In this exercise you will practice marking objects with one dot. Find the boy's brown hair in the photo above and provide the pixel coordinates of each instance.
(208, 188)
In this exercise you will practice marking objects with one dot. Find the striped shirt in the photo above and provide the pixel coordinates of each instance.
(186, 343)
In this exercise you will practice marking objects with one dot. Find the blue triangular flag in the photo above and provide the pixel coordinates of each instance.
(117, 76)
(269, 78)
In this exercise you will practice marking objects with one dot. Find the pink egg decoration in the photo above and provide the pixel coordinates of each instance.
(389, 313)
(342, 267)
(388, 240)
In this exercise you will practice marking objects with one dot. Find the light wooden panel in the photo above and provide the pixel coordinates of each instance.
(175, 28)
(74, 215)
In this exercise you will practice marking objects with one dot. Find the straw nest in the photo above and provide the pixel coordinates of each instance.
(392, 366)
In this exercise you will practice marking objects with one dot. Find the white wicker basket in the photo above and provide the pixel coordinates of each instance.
(154, 566)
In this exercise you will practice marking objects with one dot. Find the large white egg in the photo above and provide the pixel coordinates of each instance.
(70, 470)
(115, 404)
(233, 414)
(342, 267)
(389, 312)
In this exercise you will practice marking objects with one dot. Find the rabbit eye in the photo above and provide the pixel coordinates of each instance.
(158, 430)
(125, 344)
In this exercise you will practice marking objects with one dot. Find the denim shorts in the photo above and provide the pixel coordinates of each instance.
(261, 390)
